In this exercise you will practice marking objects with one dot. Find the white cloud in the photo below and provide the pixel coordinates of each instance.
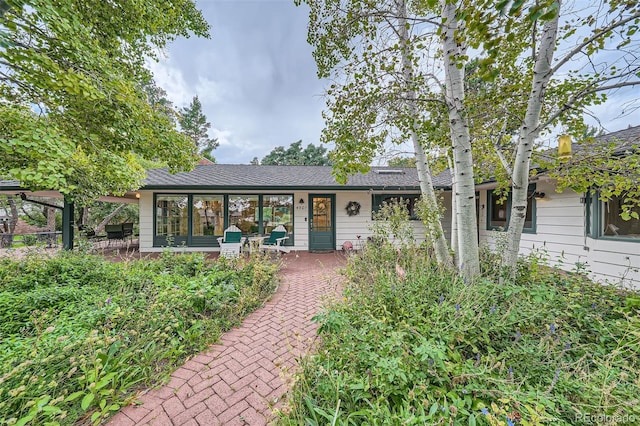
(212, 92)
(223, 136)
(171, 79)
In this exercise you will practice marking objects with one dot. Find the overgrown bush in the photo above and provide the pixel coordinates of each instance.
(79, 334)
(424, 347)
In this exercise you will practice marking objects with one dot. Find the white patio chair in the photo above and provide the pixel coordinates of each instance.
(231, 242)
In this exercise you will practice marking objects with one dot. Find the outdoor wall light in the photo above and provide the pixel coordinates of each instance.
(538, 195)
(301, 201)
(137, 195)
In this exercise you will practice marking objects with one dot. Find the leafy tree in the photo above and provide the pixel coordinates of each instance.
(402, 162)
(157, 98)
(369, 52)
(255, 161)
(483, 77)
(295, 155)
(194, 124)
(74, 112)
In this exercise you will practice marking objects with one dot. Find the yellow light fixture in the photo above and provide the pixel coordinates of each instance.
(564, 147)
(137, 195)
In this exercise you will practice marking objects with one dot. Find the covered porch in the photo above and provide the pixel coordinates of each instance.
(68, 229)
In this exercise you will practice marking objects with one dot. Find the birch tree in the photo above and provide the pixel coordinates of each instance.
(570, 67)
(370, 52)
(507, 73)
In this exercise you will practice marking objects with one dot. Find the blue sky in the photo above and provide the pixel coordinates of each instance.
(257, 80)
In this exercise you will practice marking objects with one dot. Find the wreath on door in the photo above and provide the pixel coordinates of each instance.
(353, 208)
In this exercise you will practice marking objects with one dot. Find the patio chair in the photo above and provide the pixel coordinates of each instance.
(276, 240)
(90, 233)
(114, 232)
(127, 230)
(230, 242)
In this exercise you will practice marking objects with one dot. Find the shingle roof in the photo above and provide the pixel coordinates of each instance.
(241, 176)
(624, 138)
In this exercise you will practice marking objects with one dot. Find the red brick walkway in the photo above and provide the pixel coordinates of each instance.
(239, 380)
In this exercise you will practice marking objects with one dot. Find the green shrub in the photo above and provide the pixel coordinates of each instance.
(428, 348)
(79, 334)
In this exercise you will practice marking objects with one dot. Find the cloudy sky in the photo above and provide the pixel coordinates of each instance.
(255, 77)
(257, 80)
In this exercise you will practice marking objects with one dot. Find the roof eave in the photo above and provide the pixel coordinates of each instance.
(280, 188)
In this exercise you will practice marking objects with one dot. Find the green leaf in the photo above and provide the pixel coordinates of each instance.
(105, 381)
(86, 401)
(433, 409)
(74, 396)
(472, 420)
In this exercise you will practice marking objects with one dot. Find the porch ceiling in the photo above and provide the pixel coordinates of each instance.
(12, 188)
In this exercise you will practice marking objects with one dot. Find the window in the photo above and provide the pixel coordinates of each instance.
(277, 210)
(244, 213)
(172, 217)
(208, 215)
(604, 218)
(196, 220)
(499, 210)
(408, 200)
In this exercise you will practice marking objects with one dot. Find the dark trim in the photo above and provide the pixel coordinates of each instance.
(229, 188)
(594, 224)
(67, 224)
(23, 197)
(376, 202)
(534, 207)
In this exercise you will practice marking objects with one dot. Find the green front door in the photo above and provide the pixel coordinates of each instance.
(321, 222)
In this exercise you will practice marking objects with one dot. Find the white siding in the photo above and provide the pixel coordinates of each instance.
(301, 221)
(346, 227)
(561, 237)
(146, 220)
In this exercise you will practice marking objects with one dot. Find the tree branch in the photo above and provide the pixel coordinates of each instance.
(571, 103)
(599, 33)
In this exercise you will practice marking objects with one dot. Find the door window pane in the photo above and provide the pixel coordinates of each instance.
(208, 215)
(243, 213)
(172, 215)
(277, 210)
(321, 214)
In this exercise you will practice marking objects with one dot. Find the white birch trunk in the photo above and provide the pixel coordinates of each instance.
(527, 135)
(435, 231)
(465, 193)
(454, 214)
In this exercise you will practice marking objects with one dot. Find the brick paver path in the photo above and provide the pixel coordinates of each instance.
(241, 378)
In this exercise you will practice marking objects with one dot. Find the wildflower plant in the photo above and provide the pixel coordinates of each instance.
(543, 349)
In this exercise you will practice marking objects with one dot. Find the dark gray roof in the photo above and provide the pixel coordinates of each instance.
(241, 176)
(625, 139)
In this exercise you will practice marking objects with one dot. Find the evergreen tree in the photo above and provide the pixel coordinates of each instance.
(194, 124)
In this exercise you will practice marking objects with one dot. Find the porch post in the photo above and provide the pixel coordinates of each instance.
(67, 224)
